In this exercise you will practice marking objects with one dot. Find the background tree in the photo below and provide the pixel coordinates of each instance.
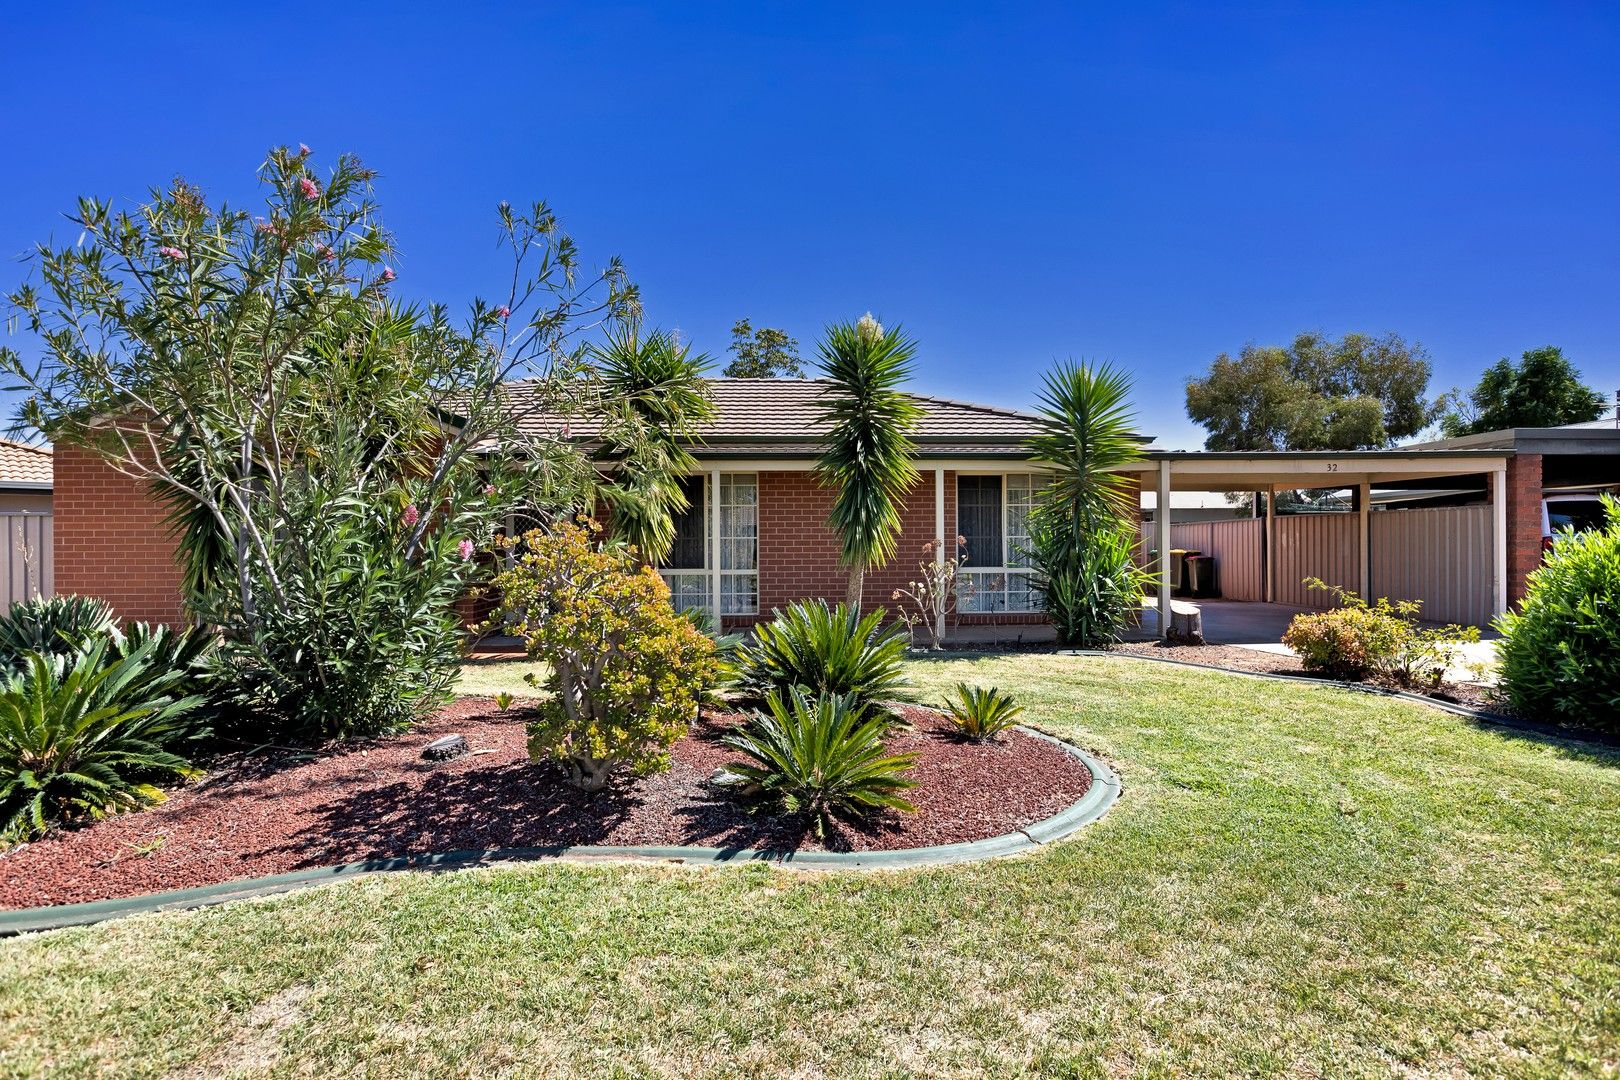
(1542, 390)
(766, 353)
(869, 451)
(337, 455)
(1359, 392)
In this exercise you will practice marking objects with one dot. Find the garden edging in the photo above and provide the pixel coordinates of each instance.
(1099, 797)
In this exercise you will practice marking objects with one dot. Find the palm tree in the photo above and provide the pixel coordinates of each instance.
(869, 451)
(1079, 542)
(656, 400)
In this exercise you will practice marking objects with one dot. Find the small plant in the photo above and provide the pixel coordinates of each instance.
(1560, 653)
(927, 601)
(1359, 639)
(978, 713)
(503, 700)
(82, 737)
(626, 672)
(831, 650)
(822, 756)
(60, 625)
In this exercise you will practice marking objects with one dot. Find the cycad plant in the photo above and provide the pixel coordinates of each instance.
(1082, 530)
(822, 756)
(868, 456)
(81, 738)
(979, 713)
(58, 625)
(833, 650)
(656, 401)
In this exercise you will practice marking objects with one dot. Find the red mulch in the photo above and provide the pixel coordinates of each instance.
(276, 811)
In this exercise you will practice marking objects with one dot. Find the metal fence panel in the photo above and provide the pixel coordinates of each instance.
(1325, 546)
(1441, 557)
(27, 569)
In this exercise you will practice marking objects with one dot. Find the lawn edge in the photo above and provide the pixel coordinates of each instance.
(1100, 796)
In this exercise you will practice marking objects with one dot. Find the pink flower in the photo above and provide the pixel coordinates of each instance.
(388, 273)
(326, 253)
(466, 549)
(307, 187)
(303, 150)
(503, 311)
(412, 515)
(489, 489)
(171, 253)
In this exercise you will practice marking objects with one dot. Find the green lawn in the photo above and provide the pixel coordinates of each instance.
(1297, 880)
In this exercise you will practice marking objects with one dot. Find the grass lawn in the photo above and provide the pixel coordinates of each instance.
(1297, 880)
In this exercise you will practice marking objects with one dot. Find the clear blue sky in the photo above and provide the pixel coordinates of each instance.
(1145, 185)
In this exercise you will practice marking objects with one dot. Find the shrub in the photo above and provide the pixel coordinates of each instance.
(59, 626)
(1560, 653)
(188, 652)
(827, 650)
(626, 672)
(83, 736)
(978, 713)
(1360, 639)
(822, 756)
(1090, 585)
(928, 600)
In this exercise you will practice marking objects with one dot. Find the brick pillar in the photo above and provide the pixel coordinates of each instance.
(1523, 521)
(110, 540)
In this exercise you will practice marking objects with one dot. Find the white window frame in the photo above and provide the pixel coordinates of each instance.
(967, 600)
(713, 573)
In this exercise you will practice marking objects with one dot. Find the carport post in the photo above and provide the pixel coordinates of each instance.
(1499, 553)
(1162, 520)
(1364, 505)
(1270, 547)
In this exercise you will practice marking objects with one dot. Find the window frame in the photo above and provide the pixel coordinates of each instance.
(680, 579)
(1029, 482)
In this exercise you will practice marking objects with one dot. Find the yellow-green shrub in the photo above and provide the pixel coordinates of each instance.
(1359, 639)
(627, 672)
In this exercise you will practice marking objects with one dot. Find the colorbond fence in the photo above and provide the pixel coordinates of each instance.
(28, 569)
(1441, 557)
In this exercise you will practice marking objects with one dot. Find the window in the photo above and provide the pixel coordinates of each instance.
(992, 515)
(689, 569)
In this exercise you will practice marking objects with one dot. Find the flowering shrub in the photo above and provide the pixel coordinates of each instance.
(627, 672)
(927, 601)
(1360, 639)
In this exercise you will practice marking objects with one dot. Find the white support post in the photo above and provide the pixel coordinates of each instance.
(939, 535)
(1162, 521)
(1364, 505)
(714, 544)
(1499, 555)
(1271, 544)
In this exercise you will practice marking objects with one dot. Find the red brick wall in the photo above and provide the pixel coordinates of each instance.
(1523, 521)
(111, 541)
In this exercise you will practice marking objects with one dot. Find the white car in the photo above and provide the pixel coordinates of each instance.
(1578, 510)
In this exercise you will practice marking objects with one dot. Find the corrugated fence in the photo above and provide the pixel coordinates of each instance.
(1441, 557)
(28, 568)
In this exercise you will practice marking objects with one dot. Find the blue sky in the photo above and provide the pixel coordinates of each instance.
(1146, 185)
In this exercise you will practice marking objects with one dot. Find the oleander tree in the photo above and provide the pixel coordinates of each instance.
(331, 456)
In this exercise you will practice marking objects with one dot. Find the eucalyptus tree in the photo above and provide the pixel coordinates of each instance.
(1082, 528)
(331, 456)
(869, 455)
(656, 394)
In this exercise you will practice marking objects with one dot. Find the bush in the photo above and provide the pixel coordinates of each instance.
(979, 714)
(1560, 653)
(1360, 639)
(824, 650)
(190, 653)
(60, 626)
(1090, 585)
(627, 672)
(822, 756)
(82, 736)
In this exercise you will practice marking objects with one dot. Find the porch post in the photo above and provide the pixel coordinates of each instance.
(1162, 520)
(1499, 551)
(1364, 506)
(939, 535)
(1271, 544)
(714, 545)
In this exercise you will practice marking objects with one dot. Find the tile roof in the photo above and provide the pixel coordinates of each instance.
(25, 466)
(781, 418)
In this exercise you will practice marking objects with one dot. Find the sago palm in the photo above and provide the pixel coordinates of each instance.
(869, 452)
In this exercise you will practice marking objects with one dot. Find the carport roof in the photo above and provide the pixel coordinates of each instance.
(1261, 470)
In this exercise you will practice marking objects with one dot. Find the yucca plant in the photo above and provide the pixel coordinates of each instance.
(979, 713)
(831, 650)
(822, 756)
(868, 455)
(58, 626)
(82, 737)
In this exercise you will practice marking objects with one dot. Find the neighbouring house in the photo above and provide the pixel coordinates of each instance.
(26, 478)
(756, 537)
(26, 481)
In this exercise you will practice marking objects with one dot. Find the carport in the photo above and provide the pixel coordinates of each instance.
(1352, 563)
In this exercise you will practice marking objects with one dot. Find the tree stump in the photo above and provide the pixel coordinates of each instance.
(1186, 624)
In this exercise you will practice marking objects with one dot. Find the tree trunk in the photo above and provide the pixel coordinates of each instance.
(589, 774)
(857, 582)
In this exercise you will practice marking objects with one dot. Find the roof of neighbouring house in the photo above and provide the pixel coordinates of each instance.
(782, 418)
(25, 467)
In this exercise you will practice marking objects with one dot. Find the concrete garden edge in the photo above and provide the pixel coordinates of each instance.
(1099, 797)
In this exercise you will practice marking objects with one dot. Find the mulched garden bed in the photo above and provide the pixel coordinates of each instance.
(1267, 663)
(279, 810)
